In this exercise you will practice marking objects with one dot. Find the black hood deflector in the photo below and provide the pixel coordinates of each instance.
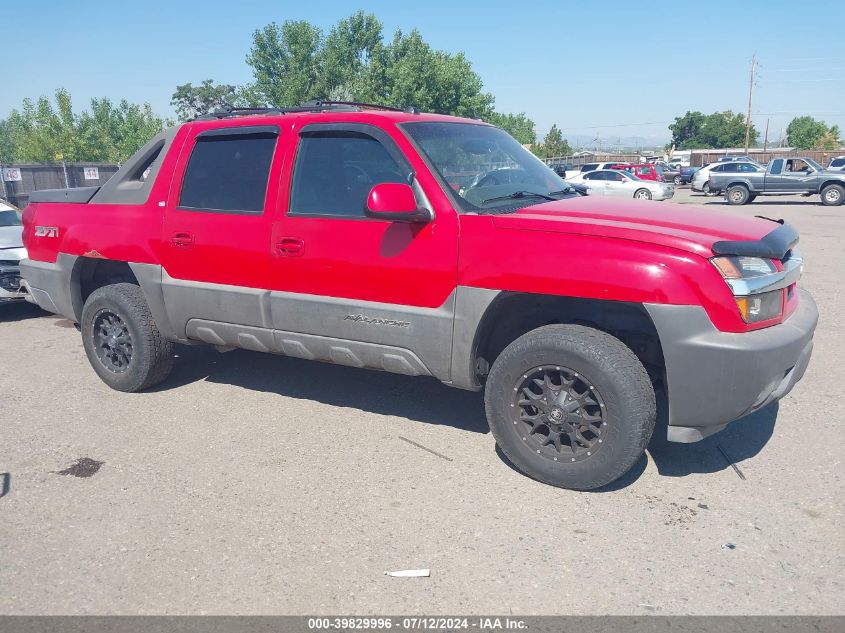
(775, 245)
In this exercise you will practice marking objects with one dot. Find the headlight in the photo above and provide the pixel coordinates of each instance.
(753, 307)
(740, 267)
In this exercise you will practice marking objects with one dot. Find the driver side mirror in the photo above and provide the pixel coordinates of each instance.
(395, 202)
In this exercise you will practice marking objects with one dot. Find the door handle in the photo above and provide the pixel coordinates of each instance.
(182, 240)
(290, 246)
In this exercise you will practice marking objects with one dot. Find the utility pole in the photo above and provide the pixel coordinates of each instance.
(750, 91)
(766, 138)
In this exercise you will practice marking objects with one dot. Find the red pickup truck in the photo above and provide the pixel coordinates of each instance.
(434, 246)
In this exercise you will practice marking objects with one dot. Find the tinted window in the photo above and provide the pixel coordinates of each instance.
(335, 171)
(777, 166)
(748, 167)
(718, 168)
(837, 162)
(595, 175)
(228, 173)
(589, 167)
(9, 217)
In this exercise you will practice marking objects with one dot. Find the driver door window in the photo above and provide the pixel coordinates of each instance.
(335, 171)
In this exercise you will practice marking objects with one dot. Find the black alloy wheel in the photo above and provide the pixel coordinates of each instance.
(559, 413)
(113, 341)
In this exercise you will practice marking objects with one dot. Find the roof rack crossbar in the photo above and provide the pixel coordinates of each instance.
(316, 105)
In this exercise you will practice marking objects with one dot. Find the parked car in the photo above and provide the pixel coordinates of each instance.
(562, 170)
(700, 180)
(617, 182)
(782, 176)
(651, 171)
(686, 174)
(836, 164)
(332, 232)
(728, 169)
(611, 165)
(11, 253)
(728, 159)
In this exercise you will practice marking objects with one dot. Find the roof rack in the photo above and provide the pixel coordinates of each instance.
(318, 105)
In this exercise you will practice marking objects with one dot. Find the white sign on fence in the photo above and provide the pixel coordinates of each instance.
(92, 173)
(12, 174)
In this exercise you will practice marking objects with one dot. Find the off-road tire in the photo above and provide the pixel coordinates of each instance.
(737, 195)
(642, 194)
(152, 355)
(620, 380)
(832, 195)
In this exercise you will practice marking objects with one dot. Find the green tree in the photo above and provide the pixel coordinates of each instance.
(686, 128)
(294, 62)
(285, 62)
(554, 144)
(805, 132)
(695, 130)
(41, 132)
(517, 125)
(192, 101)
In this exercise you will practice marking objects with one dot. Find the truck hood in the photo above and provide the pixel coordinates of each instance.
(677, 226)
(11, 237)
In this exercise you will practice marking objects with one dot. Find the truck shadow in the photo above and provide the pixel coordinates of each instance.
(20, 311)
(419, 399)
(429, 401)
(741, 440)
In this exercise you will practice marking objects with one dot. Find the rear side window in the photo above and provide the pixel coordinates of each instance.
(228, 172)
(777, 166)
(837, 162)
(589, 167)
(335, 171)
(595, 175)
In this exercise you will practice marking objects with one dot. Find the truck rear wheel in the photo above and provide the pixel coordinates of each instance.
(570, 406)
(121, 339)
(737, 194)
(833, 195)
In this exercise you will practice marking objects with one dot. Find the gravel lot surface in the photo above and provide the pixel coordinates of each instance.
(249, 483)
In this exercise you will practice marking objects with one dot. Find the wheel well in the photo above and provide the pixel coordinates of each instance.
(831, 182)
(515, 314)
(90, 274)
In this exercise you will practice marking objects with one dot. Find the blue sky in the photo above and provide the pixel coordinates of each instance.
(605, 70)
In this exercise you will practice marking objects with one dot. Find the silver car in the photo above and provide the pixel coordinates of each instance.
(11, 253)
(615, 182)
(837, 164)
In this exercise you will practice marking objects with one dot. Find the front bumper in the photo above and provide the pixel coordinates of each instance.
(714, 378)
(10, 284)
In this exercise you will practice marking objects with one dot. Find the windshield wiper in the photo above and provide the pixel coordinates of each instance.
(516, 195)
(569, 189)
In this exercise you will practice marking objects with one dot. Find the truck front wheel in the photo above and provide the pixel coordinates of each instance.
(121, 339)
(738, 194)
(570, 406)
(833, 195)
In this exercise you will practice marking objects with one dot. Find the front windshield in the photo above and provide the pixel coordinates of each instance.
(10, 217)
(485, 167)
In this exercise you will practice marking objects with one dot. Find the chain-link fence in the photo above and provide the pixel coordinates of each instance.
(18, 181)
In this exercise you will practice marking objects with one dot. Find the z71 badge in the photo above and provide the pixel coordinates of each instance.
(46, 231)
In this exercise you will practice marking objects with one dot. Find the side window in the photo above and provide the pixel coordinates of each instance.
(777, 166)
(643, 171)
(228, 172)
(594, 175)
(747, 167)
(719, 168)
(335, 170)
